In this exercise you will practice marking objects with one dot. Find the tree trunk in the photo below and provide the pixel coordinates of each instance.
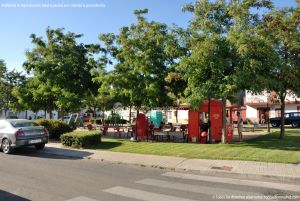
(95, 112)
(130, 114)
(103, 118)
(282, 107)
(137, 114)
(224, 122)
(50, 114)
(177, 115)
(62, 114)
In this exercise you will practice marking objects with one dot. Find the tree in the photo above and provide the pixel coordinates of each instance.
(27, 99)
(213, 64)
(175, 81)
(62, 67)
(281, 31)
(285, 37)
(143, 53)
(9, 80)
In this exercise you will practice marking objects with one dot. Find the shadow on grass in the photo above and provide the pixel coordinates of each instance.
(106, 145)
(291, 142)
(4, 195)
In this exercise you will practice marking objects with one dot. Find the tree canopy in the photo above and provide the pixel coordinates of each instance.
(143, 54)
(61, 68)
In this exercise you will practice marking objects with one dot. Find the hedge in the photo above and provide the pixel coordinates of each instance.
(109, 121)
(81, 139)
(55, 127)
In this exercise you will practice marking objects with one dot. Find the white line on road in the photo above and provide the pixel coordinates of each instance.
(142, 195)
(196, 189)
(81, 198)
(270, 185)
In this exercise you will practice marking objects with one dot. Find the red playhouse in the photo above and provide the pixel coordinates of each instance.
(142, 127)
(198, 122)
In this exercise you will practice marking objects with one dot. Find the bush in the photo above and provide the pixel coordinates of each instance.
(55, 127)
(117, 120)
(80, 139)
(96, 121)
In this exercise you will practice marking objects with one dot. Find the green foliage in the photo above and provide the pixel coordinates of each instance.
(81, 139)
(214, 65)
(35, 95)
(143, 53)
(8, 81)
(270, 54)
(56, 128)
(61, 68)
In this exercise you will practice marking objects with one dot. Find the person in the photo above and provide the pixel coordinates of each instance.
(151, 126)
(240, 126)
(162, 125)
(262, 119)
(228, 120)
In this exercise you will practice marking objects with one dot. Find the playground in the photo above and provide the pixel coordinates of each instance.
(205, 125)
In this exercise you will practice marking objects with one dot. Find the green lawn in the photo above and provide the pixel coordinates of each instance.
(268, 148)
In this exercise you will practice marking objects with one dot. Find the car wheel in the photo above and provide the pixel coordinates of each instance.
(275, 124)
(6, 148)
(39, 146)
(295, 124)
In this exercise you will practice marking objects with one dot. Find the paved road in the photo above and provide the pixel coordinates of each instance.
(31, 175)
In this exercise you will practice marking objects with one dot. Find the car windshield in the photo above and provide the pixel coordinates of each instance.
(18, 124)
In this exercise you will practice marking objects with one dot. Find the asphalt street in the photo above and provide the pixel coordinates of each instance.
(32, 175)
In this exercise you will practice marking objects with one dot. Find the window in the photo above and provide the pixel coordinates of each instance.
(169, 113)
(296, 114)
(18, 124)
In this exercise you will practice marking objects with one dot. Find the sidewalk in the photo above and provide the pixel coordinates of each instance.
(278, 172)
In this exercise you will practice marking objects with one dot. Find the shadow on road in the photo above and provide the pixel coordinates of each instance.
(4, 195)
(52, 153)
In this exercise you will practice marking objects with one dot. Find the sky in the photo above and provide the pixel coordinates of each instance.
(20, 18)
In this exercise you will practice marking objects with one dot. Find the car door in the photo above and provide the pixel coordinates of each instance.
(288, 118)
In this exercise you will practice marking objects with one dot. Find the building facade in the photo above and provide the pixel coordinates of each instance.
(261, 106)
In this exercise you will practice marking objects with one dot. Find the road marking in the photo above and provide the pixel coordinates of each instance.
(142, 195)
(196, 188)
(277, 186)
(81, 198)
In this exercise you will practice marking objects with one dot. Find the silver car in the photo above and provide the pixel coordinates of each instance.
(21, 132)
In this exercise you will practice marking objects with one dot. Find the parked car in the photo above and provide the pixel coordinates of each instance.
(21, 132)
(12, 117)
(292, 118)
(66, 119)
(86, 118)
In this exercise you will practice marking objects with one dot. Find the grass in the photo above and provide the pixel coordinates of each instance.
(267, 148)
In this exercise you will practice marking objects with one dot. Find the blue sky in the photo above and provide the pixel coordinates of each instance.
(18, 23)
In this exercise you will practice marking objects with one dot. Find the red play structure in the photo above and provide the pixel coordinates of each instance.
(142, 127)
(199, 125)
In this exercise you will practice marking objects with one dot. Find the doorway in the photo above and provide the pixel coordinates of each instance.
(263, 115)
